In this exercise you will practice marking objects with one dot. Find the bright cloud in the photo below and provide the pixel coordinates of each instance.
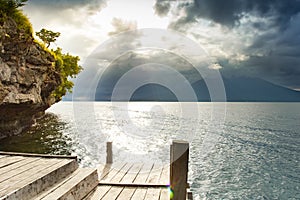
(248, 37)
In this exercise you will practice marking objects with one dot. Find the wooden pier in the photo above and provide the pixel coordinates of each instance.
(47, 177)
(132, 181)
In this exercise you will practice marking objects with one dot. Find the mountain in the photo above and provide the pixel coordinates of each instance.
(241, 89)
(238, 89)
(153, 92)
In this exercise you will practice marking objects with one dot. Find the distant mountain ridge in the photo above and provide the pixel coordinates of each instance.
(238, 89)
(245, 89)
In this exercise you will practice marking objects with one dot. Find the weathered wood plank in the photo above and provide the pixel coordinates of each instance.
(100, 170)
(132, 173)
(25, 169)
(152, 194)
(113, 193)
(22, 176)
(8, 160)
(103, 170)
(128, 178)
(121, 173)
(37, 155)
(139, 194)
(165, 175)
(99, 193)
(126, 193)
(75, 187)
(59, 184)
(110, 171)
(142, 177)
(164, 194)
(2, 156)
(117, 180)
(111, 175)
(155, 173)
(42, 179)
(17, 165)
(93, 195)
(125, 175)
(143, 174)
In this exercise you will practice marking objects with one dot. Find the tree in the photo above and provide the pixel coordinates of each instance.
(9, 9)
(18, 3)
(67, 66)
(11, 5)
(47, 36)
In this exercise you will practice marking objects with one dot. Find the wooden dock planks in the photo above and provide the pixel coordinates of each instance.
(73, 188)
(148, 181)
(29, 178)
(24, 176)
(132, 181)
(16, 165)
(8, 160)
(154, 178)
(117, 181)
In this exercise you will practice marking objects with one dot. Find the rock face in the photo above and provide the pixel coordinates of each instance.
(27, 79)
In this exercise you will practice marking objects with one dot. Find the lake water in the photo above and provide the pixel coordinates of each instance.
(237, 150)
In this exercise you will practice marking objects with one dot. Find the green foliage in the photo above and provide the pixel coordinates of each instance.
(10, 6)
(67, 66)
(9, 9)
(47, 36)
(23, 23)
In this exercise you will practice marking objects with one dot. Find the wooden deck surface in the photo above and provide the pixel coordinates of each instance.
(18, 171)
(24, 176)
(132, 181)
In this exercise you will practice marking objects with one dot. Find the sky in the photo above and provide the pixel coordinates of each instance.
(251, 38)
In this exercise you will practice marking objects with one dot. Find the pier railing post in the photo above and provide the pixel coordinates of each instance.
(109, 154)
(179, 158)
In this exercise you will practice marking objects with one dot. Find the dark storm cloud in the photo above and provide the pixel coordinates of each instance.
(274, 53)
(279, 54)
(132, 59)
(162, 8)
(229, 12)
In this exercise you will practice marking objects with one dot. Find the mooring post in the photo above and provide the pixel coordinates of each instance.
(189, 195)
(109, 154)
(179, 158)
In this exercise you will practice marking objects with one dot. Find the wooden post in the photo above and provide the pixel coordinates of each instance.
(109, 154)
(171, 161)
(179, 158)
(189, 195)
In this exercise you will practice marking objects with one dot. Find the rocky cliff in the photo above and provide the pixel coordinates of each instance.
(27, 79)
